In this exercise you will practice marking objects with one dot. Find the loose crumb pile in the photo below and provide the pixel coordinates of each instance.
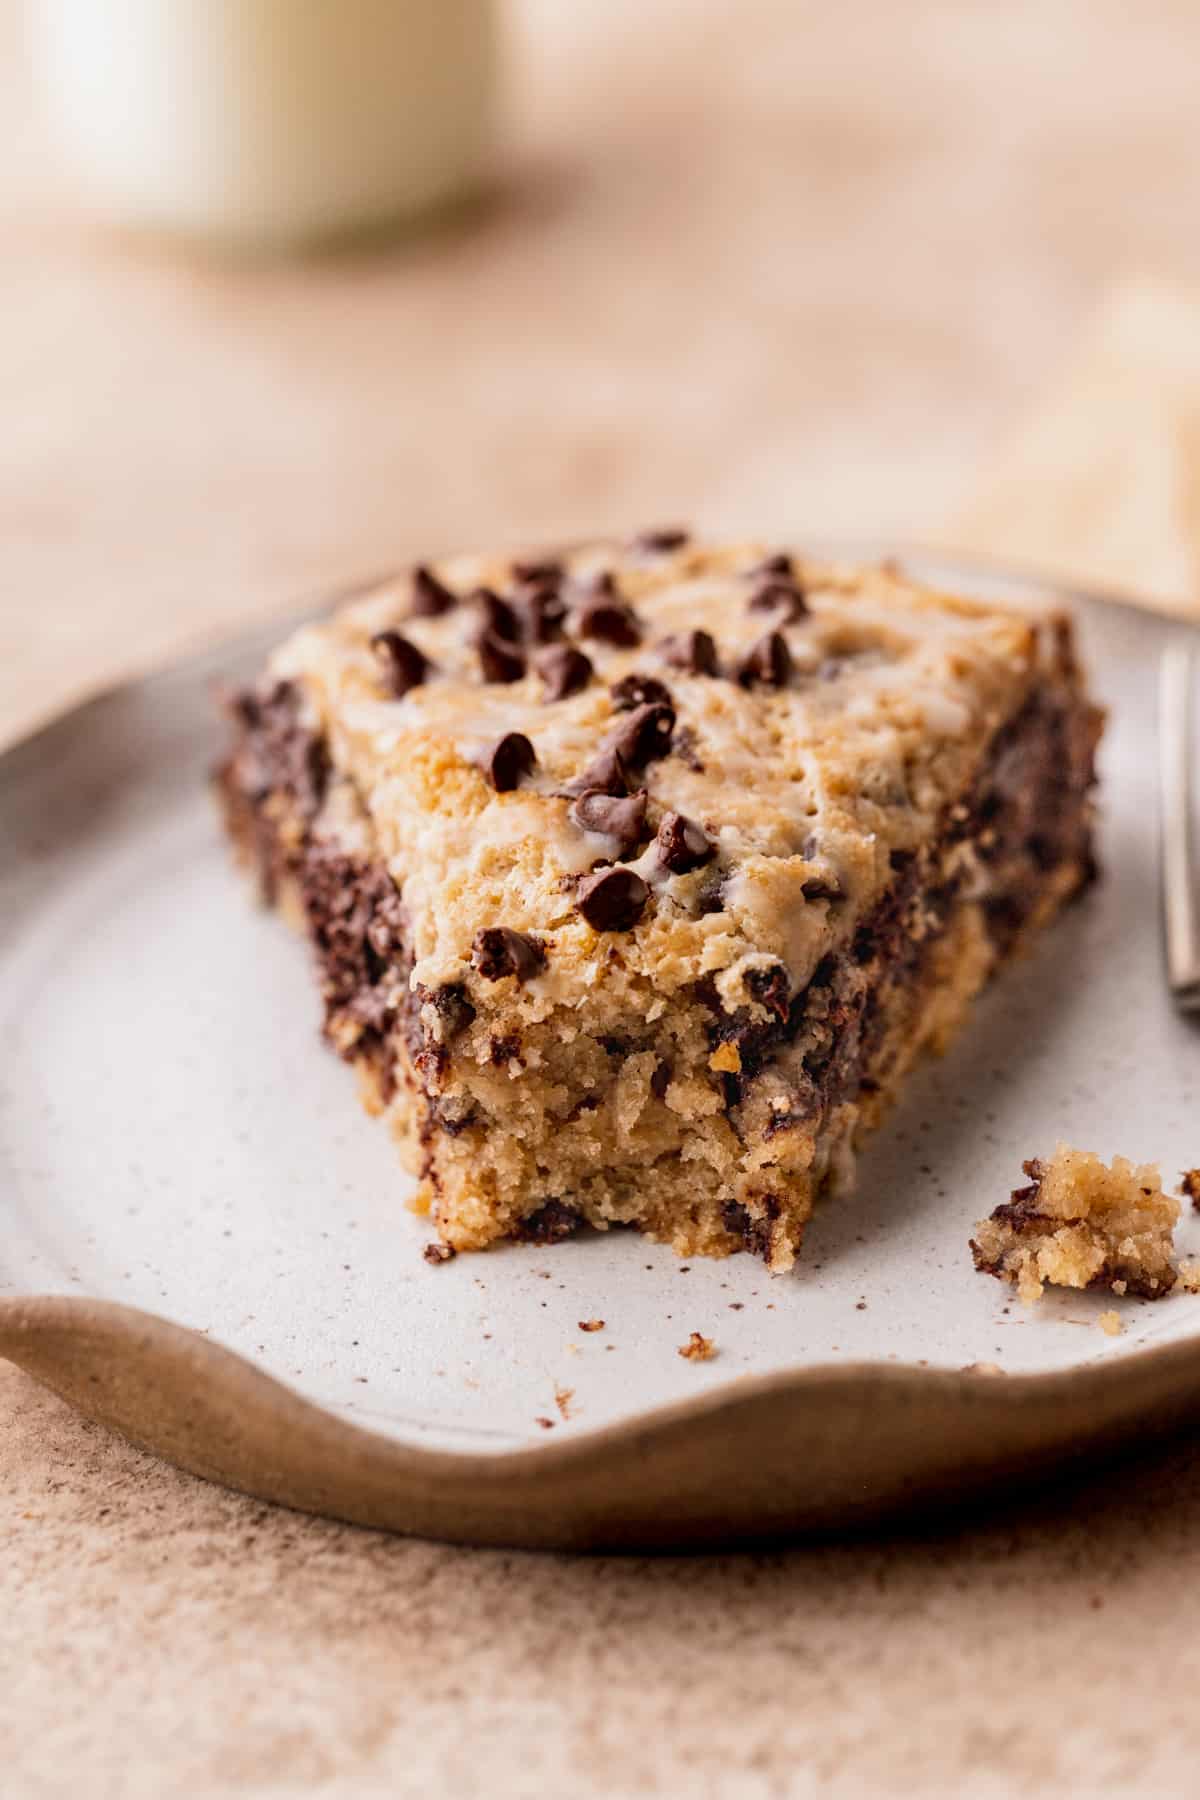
(1081, 1223)
(698, 1348)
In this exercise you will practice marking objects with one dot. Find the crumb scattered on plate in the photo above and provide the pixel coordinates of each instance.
(1111, 1323)
(698, 1348)
(438, 1253)
(591, 1324)
(1081, 1223)
(1189, 1186)
(562, 1399)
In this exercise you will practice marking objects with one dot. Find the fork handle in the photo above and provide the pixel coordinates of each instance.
(1180, 900)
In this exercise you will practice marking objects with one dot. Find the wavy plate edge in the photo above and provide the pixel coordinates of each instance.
(802, 1451)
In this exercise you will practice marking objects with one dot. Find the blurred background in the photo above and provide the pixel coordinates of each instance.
(738, 262)
(293, 290)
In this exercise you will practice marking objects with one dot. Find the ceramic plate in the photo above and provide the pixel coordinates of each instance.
(205, 1243)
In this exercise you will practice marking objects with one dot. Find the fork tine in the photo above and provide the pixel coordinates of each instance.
(1181, 902)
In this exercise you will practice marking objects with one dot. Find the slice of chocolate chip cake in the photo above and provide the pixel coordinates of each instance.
(638, 877)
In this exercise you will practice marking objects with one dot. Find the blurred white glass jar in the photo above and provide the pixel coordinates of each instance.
(268, 123)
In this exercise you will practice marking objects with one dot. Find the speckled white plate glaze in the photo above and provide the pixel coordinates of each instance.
(205, 1242)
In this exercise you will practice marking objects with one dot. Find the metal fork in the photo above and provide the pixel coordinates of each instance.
(1180, 888)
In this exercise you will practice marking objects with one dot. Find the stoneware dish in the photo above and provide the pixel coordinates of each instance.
(204, 1243)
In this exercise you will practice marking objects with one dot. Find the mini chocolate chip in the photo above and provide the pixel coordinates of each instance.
(611, 621)
(511, 757)
(452, 1006)
(612, 899)
(504, 1049)
(865, 945)
(770, 987)
(659, 542)
(822, 887)
(430, 597)
(607, 773)
(548, 1225)
(769, 663)
(693, 651)
(496, 615)
(624, 820)
(639, 690)
(779, 564)
(498, 952)
(783, 597)
(542, 612)
(403, 664)
(660, 1081)
(547, 570)
(682, 845)
(684, 746)
(644, 733)
(500, 660)
(564, 670)
(245, 708)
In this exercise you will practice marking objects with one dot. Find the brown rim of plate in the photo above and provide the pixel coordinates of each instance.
(765, 1457)
(796, 1452)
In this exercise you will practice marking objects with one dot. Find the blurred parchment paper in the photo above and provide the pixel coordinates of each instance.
(1102, 488)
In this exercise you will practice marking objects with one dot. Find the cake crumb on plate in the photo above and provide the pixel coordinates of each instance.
(1081, 1223)
(698, 1348)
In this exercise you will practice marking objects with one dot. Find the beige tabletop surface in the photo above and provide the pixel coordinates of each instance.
(746, 261)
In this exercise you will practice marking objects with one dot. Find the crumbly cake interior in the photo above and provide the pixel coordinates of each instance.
(637, 878)
(1081, 1223)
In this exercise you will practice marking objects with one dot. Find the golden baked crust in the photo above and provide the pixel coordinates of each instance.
(858, 761)
(639, 877)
